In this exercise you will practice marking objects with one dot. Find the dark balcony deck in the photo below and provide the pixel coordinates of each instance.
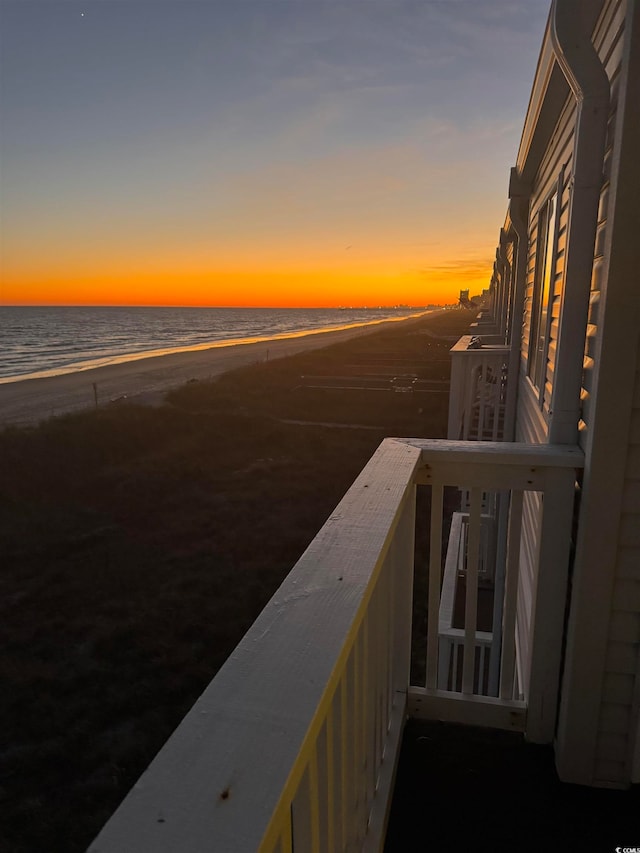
(461, 789)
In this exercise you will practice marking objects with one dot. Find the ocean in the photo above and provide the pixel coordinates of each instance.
(47, 341)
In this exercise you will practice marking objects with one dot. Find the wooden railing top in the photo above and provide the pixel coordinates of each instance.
(464, 345)
(498, 452)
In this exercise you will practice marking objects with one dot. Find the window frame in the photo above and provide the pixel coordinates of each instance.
(543, 295)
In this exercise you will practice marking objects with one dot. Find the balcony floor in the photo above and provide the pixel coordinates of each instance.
(460, 788)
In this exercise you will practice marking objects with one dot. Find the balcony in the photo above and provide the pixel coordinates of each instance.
(478, 401)
(484, 324)
(294, 744)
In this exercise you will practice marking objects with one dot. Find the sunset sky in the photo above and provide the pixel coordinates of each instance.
(258, 152)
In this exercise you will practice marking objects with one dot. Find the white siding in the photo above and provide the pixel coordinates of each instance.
(531, 515)
(532, 419)
(556, 165)
(616, 725)
(619, 712)
(609, 41)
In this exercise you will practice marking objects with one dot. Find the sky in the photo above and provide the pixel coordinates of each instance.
(258, 152)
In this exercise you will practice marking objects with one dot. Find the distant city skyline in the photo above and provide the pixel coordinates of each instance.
(258, 153)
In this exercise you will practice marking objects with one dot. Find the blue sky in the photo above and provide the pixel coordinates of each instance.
(185, 142)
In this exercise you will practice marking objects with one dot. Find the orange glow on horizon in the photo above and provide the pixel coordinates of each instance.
(275, 288)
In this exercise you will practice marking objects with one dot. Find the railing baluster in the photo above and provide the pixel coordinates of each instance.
(366, 718)
(285, 842)
(497, 400)
(357, 739)
(348, 748)
(468, 408)
(435, 570)
(331, 778)
(403, 594)
(444, 662)
(382, 660)
(471, 599)
(455, 651)
(482, 650)
(501, 512)
(371, 695)
(483, 391)
(511, 595)
(390, 604)
(314, 801)
(305, 815)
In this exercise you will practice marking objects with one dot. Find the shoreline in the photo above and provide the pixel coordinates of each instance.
(139, 355)
(146, 379)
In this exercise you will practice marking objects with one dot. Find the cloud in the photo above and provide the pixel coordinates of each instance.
(477, 264)
(475, 269)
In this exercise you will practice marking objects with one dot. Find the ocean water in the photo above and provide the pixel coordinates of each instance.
(47, 341)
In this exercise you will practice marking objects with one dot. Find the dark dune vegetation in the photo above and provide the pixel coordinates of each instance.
(138, 544)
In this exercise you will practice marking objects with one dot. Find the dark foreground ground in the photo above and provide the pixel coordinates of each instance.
(138, 544)
(465, 789)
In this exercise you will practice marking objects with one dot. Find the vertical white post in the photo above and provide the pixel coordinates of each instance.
(483, 391)
(547, 619)
(459, 375)
(471, 598)
(402, 580)
(507, 667)
(501, 535)
(435, 571)
(473, 379)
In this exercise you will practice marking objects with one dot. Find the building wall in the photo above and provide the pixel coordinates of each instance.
(616, 715)
(598, 729)
(618, 711)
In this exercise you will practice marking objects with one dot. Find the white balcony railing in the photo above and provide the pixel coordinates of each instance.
(478, 390)
(485, 323)
(294, 743)
(451, 637)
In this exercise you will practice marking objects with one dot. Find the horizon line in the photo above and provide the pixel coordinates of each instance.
(223, 307)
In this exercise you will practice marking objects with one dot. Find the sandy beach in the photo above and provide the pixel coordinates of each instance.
(146, 380)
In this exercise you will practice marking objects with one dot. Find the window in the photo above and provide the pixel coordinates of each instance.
(542, 294)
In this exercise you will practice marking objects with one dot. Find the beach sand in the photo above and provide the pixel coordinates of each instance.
(146, 380)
